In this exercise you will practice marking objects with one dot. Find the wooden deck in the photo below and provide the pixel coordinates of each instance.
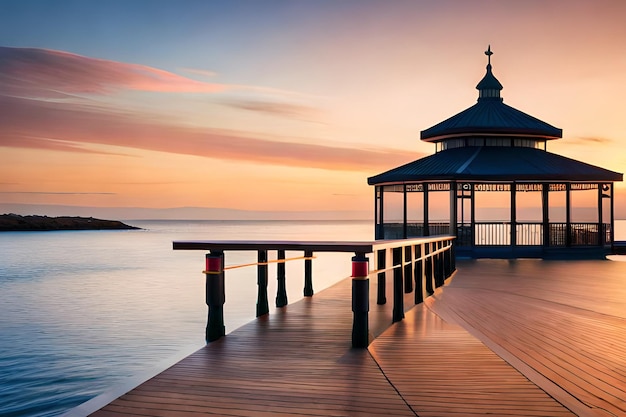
(561, 323)
(455, 355)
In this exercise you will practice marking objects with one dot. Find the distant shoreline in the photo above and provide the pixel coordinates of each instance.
(18, 223)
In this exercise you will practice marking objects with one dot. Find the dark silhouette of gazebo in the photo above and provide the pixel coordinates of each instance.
(493, 184)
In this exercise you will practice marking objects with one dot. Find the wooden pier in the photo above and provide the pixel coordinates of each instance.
(505, 338)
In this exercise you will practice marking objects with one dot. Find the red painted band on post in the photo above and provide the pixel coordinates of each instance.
(213, 264)
(360, 269)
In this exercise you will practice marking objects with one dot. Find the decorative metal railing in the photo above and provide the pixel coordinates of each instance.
(499, 233)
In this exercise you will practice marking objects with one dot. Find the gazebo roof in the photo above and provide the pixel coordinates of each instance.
(490, 116)
(495, 163)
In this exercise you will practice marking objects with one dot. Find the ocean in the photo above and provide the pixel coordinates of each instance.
(84, 313)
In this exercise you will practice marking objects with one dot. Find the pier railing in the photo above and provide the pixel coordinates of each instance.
(417, 265)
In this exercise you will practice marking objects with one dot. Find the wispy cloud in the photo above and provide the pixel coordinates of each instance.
(276, 109)
(55, 193)
(32, 72)
(38, 110)
(24, 141)
(587, 140)
(67, 126)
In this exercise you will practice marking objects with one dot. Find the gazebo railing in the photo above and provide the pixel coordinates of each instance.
(499, 233)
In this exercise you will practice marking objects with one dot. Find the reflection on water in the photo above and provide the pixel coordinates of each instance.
(84, 311)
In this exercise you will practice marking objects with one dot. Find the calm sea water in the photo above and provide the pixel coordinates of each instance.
(89, 312)
(83, 312)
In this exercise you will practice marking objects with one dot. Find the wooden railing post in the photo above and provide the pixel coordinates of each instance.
(360, 301)
(439, 280)
(419, 275)
(281, 292)
(262, 305)
(215, 295)
(446, 259)
(381, 261)
(308, 273)
(398, 284)
(408, 269)
(428, 269)
(452, 256)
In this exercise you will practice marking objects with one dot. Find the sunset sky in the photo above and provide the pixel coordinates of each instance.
(283, 104)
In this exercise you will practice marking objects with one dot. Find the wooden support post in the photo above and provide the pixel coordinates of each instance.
(419, 275)
(281, 292)
(262, 305)
(381, 261)
(360, 301)
(452, 257)
(215, 295)
(408, 269)
(440, 271)
(428, 270)
(308, 273)
(398, 283)
(435, 267)
(447, 265)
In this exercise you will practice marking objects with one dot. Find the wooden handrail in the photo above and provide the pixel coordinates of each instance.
(428, 260)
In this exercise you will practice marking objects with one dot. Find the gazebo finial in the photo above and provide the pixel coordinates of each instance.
(488, 53)
(489, 86)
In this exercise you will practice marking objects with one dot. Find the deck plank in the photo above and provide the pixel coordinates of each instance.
(446, 371)
(563, 331)
(299, 360)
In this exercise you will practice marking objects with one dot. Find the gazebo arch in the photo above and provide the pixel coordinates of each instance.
(494, 152)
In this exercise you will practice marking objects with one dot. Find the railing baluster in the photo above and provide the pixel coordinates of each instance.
(308, 273)
(360, 300)
(262, 304)
(398, 281)
(419, 275)
(408, 269)
(281, 292)
(428, 269)
(381, 261)
(215, 295)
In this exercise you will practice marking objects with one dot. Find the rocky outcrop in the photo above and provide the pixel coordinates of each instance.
(15, 223)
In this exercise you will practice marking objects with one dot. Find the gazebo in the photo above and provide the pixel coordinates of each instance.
(493, 184)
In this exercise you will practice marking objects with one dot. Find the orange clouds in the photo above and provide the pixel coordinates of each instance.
(38, 110)
(65, 126)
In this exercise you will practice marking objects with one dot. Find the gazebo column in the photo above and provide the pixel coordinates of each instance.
(568, 214)
(404, 212)
(513, 215)
(600, 220)
(453, 209)
(426, 221)
(545, 204)
(612, 185)
(472, 216)
(379, 214)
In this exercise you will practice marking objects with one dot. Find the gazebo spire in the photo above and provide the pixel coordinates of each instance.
(489, 86)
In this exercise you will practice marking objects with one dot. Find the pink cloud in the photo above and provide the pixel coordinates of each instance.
(65, 126)
(47, 73)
